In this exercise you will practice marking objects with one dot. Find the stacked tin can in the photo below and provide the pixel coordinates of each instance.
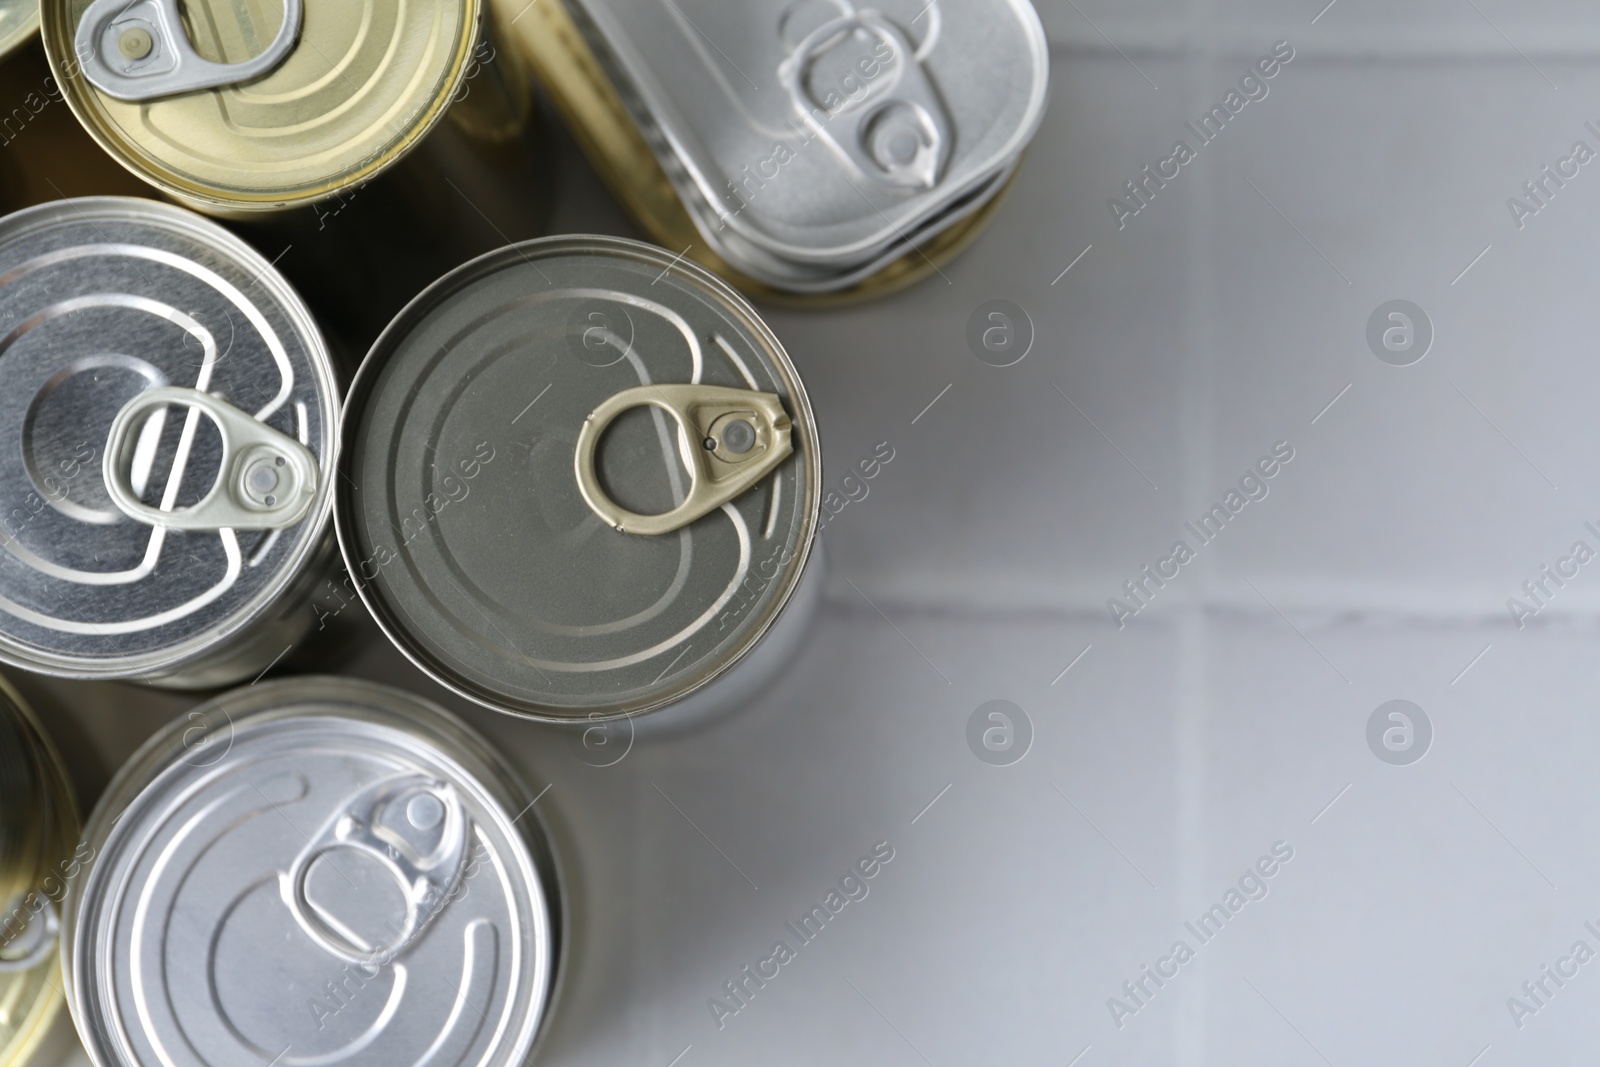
(341, 870)
(136, 76)
(166, 445)
(799, 146)
(581, 481)
(39, 860)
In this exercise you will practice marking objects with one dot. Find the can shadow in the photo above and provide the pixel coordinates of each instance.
(358, 257)
(96, 726)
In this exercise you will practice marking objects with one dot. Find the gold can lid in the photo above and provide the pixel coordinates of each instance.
(361, 83)
(18, 20)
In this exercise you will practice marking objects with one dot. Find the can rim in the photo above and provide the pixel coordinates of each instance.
(175, 658)
(57, 35)
(272, 702)
(372, 367)
(974, 203)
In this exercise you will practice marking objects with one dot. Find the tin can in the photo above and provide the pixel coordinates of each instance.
(19, 19)
(238, 108)
(581, 481)
(167, 440)
(819, 148)
(38, 834)
(341, 873)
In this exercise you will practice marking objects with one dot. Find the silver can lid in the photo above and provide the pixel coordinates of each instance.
(313, 871)
(822, 132)
(581, 479)
(167, 437)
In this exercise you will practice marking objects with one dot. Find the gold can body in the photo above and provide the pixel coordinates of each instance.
(364, 83)
(39, 829)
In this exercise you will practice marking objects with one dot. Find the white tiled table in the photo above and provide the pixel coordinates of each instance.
(1229, 715)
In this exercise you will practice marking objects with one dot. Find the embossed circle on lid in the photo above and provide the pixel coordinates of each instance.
(282, 904)
(101, 300)
(488, 549)
(365, 80)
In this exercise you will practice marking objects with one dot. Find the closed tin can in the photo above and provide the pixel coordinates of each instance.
(18, 21)
(581, 482)
(167, 441)
(235, 108)
(811, 147)
(38, 835)
(341, 873)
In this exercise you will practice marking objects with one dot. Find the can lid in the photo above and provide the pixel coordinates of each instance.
(584, 92)
(820, 131)
(580, 479)
(341, 873)
(166, 438)
(358, 84)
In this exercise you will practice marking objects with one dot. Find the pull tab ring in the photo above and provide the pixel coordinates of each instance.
(267, 481)
(140, 51)
(371, 823)
(900, 136)
(738, 437)
(43, 941)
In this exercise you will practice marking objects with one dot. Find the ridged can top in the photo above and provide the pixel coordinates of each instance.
(313, 871)
(153, 362)
(819, 135)
(361, 82)
(581, 479)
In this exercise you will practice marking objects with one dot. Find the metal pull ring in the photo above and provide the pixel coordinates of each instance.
(900, 136)
(738, 436)
(267, 481)
(39, 943)
(139, 50)
(385, 822)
